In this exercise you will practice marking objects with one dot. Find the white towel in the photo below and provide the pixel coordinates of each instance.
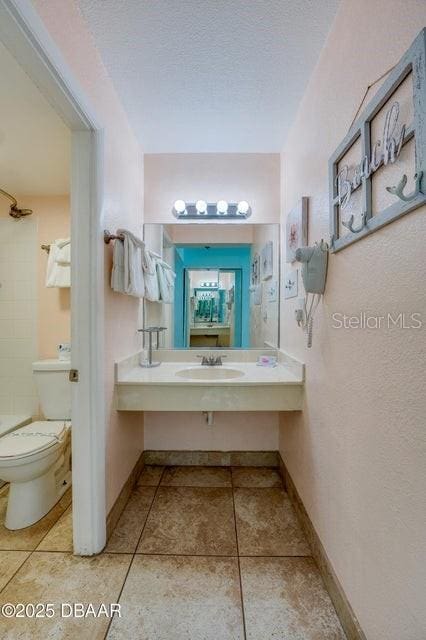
(134, 279)
(63, 256)
(117, 273)
(127, 272)
(58, 274)
(152, 289)
(166, 281)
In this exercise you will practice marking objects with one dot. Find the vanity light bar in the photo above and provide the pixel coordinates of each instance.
(201, 210)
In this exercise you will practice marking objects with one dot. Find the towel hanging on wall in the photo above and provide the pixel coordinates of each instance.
(138, 271)
(127, 273)
(58, 272)
(152, 289)
(166, 282)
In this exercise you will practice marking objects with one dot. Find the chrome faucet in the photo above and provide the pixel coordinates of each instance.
(211, 361)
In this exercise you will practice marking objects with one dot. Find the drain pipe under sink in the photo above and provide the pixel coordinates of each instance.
(209, 417)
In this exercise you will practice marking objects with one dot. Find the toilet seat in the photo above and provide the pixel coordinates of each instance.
(33, 438)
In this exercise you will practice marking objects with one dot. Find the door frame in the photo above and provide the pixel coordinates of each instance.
(238, 304)
(25, 36)
(238, 316)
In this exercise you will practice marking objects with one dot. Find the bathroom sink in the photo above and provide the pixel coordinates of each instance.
(209, 373)
(179, 385)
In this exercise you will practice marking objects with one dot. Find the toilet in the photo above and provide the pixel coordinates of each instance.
(35, 458)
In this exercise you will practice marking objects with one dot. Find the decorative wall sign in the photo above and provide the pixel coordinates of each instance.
(296, 229)
(379, 149)
(267, 260)
(291, 284)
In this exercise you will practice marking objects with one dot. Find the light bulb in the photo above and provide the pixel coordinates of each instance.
(243, 207)
(201, 206)
(180, 207)
(222, 207)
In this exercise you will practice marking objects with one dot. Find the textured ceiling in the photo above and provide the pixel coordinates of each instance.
(210, 75)
(34, 142)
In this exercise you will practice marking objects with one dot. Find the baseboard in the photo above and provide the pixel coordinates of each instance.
(118, 506)
(212, 458)
(343, 608)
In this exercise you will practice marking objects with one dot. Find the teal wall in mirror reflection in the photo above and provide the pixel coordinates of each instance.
(225, 258)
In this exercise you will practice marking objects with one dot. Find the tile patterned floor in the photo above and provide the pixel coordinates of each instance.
(190, 521)
(267, 524)
(199, 553)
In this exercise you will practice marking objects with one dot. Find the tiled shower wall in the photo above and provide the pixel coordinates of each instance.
(18, 315)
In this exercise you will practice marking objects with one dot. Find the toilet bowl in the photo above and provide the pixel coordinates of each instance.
(10, 422)
(36, 458)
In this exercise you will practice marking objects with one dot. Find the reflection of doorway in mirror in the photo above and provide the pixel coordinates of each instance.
(211, 308)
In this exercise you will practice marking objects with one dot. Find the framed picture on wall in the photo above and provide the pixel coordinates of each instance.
(255, 270)
(290, 284)
(267, 260)
(296, 229)
(256, 293)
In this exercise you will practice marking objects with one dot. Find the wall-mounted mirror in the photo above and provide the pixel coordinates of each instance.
(226, 292)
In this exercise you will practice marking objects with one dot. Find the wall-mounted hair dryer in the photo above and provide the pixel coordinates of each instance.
(314, 275)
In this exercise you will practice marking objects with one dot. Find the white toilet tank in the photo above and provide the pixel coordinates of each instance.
(53, 388)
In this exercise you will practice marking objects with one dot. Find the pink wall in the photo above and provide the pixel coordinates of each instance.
(211, 233)
(254, 177)
(357, 452)
(232, 431)
(123, 206)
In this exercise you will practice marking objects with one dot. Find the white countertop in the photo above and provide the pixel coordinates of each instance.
(252, 375)
(160, 388)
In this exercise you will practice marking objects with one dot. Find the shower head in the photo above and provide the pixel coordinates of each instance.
(15, 211)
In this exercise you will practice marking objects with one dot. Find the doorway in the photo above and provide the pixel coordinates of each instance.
(227, 269)
(213, 310)
(22, 33)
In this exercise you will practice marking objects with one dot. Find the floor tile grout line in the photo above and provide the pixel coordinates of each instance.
(54, 525)
(170, 555)
(17, 571)
(238, 561)
(39, 551)
(32, 551)
(196, 486)
(159, 553)
(211, 486)
(134, 553)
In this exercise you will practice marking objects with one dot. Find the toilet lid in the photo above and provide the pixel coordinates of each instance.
(32, 438)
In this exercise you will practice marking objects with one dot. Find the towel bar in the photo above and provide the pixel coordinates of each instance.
(110, 236)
